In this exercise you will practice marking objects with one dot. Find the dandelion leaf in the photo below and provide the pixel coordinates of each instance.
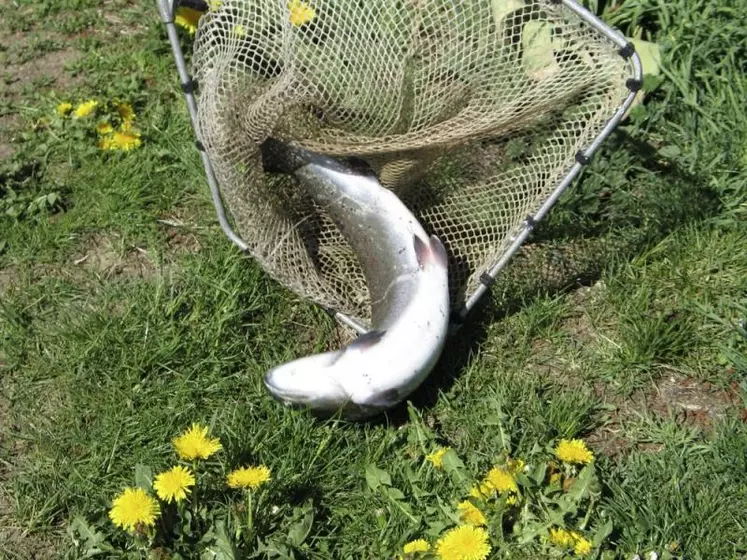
(222, 547)
(376, 477)
(585, 484)
(454, 466)
(602, 532)
(299, 531)
(85, 536)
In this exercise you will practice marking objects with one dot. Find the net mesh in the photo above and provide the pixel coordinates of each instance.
(471, 112)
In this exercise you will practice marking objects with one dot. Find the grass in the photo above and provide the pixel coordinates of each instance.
(101, 369)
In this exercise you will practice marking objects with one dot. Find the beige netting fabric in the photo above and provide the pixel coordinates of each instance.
(471, 111)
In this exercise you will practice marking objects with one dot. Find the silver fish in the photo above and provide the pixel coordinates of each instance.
(406, 272)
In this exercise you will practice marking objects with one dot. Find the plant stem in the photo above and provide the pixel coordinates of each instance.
(249, 511)
(196, 486)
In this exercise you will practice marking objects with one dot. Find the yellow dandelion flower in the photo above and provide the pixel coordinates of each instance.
(573, 451)
(239, 30)
(464, 542)
(188, 18)
(134, 507)
(300, 12)
(418, 545)
(501, 480)
(104, 128)
(174, 484)
(470, 514)
(64, 108)
(581, 546)
(195, 444)
(515, 465)
(126, 113)
(561, 537)
(248, 477)
(437, 457)
(86, 108)
(512, 500)
(123, 141)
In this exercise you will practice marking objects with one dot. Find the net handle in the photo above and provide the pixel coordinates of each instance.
(627, 51)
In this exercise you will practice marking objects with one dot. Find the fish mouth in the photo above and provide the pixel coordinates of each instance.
(283, 397)
(302, 401)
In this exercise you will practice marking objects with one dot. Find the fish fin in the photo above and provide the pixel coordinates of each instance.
(334, 360)
(385, 399)
(439, 251)
(433, 251)
(421, 250)
(365, 341)
(360, 166)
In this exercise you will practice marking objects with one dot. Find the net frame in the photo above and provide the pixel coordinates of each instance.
(625, 49)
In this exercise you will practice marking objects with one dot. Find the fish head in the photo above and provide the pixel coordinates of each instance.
(308, 383)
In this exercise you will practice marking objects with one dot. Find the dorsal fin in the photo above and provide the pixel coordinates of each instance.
(433, 252)
(421, 250)
(439, 251)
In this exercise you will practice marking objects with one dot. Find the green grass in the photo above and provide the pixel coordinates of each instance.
(101, 370)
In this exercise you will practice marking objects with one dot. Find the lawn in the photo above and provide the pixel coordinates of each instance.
(126, 315)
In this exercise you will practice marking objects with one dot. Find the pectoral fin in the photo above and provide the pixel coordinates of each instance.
(385, 399)
(433, 252)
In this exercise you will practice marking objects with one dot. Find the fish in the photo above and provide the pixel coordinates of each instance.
(406, 271)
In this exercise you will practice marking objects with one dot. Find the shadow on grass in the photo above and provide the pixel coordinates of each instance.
(593, 224)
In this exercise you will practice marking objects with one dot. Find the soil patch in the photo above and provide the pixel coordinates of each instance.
(686, 400)
(101, 257)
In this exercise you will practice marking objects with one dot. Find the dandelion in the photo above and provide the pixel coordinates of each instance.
(482, 490)
(86, 108)
(515, 465)
(194, 444)
(104, 128)
(239, 30)
(134, 507)
(437, 457)
(188, 18)
(124, 141)
(174, 484)
(248, 477)
(512, 500)
(573, 451)
(300, 12)
(555, 478)
(464, 542)
(501, 480)
(64, 108)
(419, 545)
(561, 537)
(126, 113)
(581, 546)
(470, 514)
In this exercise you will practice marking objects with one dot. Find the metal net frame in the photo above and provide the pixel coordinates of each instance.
(478, 114)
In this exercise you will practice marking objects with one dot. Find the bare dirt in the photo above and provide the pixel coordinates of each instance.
(686, 400)
(105, 260)
(47, 71)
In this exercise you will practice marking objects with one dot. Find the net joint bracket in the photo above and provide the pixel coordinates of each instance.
(487, 280)
(190, 86)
